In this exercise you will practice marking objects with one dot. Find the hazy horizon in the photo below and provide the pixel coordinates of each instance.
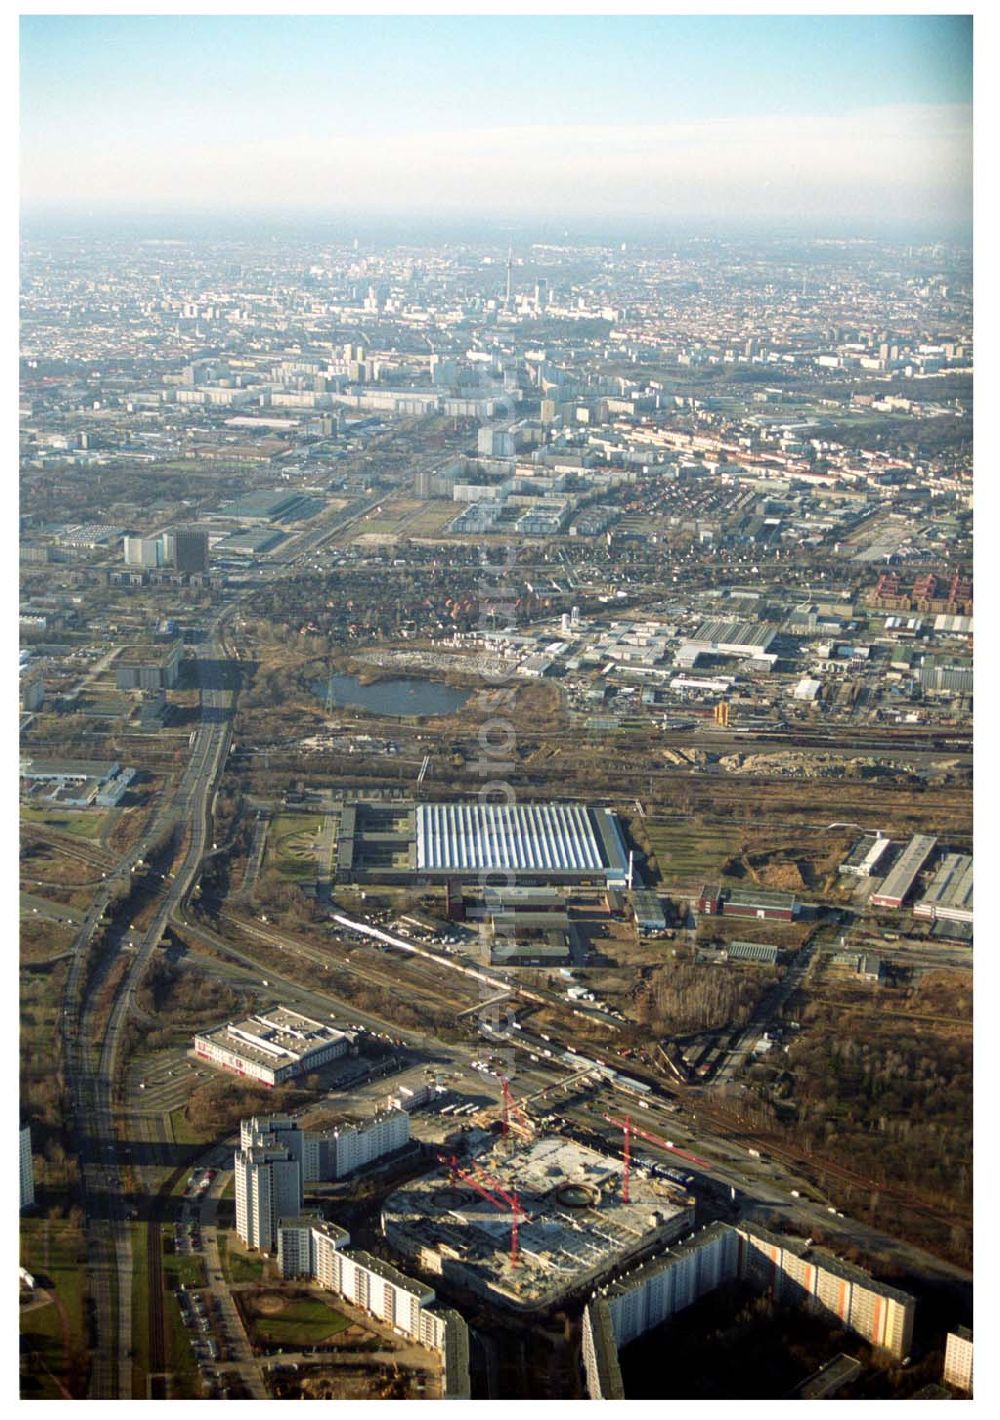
(849, 123)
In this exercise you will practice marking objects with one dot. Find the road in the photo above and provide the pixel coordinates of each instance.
(243, 1360)
(766, 1013)
(92, 1072)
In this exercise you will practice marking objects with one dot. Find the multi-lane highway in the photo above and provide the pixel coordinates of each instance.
(92, 1069)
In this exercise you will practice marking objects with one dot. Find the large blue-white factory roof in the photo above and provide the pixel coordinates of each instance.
(529, 838)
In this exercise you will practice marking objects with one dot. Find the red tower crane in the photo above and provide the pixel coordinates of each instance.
(494, 1194)
(513, 1114)
(627, 1156)
(629, 1129)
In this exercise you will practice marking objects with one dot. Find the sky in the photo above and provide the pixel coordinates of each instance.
(853, 119)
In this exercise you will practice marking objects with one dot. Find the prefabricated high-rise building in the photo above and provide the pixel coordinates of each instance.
(330, 1154)
(268, 1187)
(958, 1359)
(143, 551)
(190, 550)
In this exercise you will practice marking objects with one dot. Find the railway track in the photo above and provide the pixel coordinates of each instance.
(809, 1164)
(68, 846)
(424, 979)
(156, 1325)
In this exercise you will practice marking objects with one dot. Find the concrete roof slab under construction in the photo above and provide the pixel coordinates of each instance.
(574, 1226)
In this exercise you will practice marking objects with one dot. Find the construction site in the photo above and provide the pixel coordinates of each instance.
(527, 1223)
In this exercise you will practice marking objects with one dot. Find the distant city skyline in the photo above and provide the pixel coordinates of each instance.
(852, 120)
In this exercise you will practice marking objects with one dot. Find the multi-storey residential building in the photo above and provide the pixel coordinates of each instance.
(790, 1268)
(310, 1247)
(143, 551)
(355, 1146)
(268, 1187)
(958, 1359)
(282, 1130)
(335, 1154)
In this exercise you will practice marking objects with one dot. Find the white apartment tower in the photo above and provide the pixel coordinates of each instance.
(268, 1130)
(958, 1359)
(268, 1187)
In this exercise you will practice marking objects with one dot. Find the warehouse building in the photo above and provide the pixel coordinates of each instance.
(522, 844)
(648, 911)
(949, 896)
(271, 506)
(897, 886)
(272, 1048)
(76, 783)
(749, 639)
(865, 855)
(763, 952)
(545, 840)
(747, 902)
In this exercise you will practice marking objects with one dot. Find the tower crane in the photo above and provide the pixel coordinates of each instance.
(629, 1129)
(494, 1194)
(512, 1115)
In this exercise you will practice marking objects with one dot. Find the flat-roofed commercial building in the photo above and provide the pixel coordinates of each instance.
(272, 1047)
(865, 855)
(949, 896)
(747, 902)
(896, 887)
(545, 841)
(148, 667)
(77, 783)
(733, 638)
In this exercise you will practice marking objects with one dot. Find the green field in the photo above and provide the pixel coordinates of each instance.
(689, 853)
(303, 1321)
(291, 845)
(238, 1267)
(182, 1132)
(185, 1270)
(80, 823)
(430, 520)
(53, 1251)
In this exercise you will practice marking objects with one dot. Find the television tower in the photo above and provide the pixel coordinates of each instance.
(510, 272)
